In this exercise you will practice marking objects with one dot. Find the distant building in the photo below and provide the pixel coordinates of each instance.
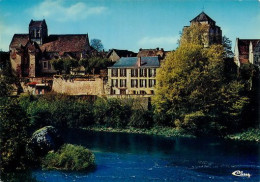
(214, 32)
(247, 51)
(30, 54)
(133, 76)
(115, 54)
(152, 52)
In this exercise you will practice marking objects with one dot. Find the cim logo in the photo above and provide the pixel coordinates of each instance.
(241, 174)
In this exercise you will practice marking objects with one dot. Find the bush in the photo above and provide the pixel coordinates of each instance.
(69, 158)
(112, 112)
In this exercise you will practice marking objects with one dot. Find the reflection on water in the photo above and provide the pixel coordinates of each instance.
(133, 157)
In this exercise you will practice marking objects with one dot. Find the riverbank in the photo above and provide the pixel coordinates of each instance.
(252, 134)
(158, 131)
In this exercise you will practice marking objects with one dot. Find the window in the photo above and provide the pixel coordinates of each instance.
(152, 92)
(114, 72)
(114, 83)
(142, 92)
(134, 83)
(151, 83)
(45, 65)
(122, 72)
(134, 72)
(38, 34)
(142, 83)
(143, 72)
(152, 72)
(134, 92)
(122, 82)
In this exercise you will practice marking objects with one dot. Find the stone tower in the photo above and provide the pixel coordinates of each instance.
(214, 32)
(38, 31)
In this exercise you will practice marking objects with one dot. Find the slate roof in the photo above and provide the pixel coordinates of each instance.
(37, 23)
(18, 40)
(131, 62)
(122, 53)
(66, 43)
(202, 17)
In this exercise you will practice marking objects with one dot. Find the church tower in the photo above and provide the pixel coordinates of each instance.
(38, 31)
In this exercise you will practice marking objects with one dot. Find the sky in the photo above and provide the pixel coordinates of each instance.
(129, 24)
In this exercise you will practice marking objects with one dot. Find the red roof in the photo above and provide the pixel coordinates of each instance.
(243, 48)
(18, 40)
(66, 43)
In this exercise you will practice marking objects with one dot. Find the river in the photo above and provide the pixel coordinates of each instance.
(135, 157)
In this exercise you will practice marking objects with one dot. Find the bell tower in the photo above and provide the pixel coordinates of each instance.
(38, 31)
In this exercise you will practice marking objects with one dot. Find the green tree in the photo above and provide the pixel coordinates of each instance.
(58, 65)
(14, 134)
(192, 91)
(227, 44)
(194, 34)
(70, 64)
(85, 64)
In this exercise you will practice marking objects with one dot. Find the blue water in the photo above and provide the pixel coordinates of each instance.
(132, 157)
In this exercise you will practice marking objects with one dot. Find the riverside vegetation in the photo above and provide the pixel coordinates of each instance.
(199, 92)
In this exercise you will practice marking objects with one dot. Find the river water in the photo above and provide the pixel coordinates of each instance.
(133, 157)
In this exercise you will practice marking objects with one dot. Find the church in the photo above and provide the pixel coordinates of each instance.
(30, 54)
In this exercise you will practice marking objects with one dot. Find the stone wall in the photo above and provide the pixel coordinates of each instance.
(78, 86)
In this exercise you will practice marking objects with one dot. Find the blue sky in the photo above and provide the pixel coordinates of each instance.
(128, 24)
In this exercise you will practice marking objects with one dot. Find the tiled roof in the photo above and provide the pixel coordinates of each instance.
(18, 40)
(66, 43)
(243, 45)
(202, 17)
(127, 62)
(243, 48)
(150, 52)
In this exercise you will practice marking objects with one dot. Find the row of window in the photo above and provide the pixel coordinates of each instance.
(134, 92)
(134, 83)
(134, 72)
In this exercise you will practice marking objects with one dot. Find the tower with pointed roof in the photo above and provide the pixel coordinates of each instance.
(38, 31)
(214, 32)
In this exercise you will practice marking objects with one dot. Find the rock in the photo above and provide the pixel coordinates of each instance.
(45, 140)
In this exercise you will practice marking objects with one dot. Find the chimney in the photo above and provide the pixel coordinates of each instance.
(139, 61)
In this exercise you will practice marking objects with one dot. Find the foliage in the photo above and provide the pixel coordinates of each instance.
(97, 44)
(252, 134)
(194, 34)
(70, 158)
(14, 134)
(58, 65)
(57, 110)
(193, 92)
(5, 86)
(85, 64)
(227, 44)
(98, 63)
(111, 112)
(69, 64)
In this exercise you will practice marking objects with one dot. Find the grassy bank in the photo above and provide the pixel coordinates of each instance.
(159, 131)
(252, 134)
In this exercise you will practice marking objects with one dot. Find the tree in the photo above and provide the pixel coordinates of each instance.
(192, 91)
(97, 44)
(14, 134)
(227, 44)
(85, 64)
(58, 65)
(194, 34)
(69, 64)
